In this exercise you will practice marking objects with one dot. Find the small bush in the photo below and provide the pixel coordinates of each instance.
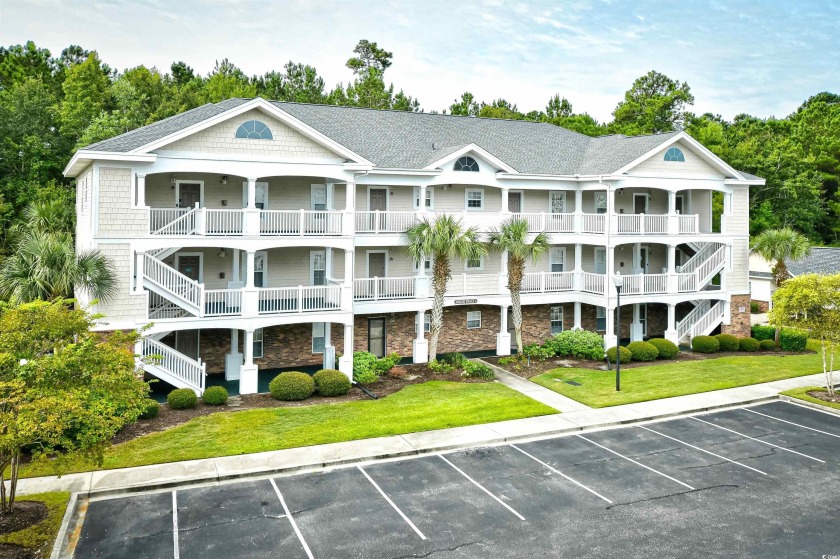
(292, 385)
(510, 360)
(667, 349)
(150, 409)
(181, 399)
(457, 360)
(215, 396)
(330, 382)
(478, 370)
(767, 345)
(625, 353)
(754, 308)
(365, 370)
(643, 351)
(579, 343)
(705, 344)
(792, 340)
(763, 333)
(748, 344)
(727, 342)
(537, 352)
(440, 367)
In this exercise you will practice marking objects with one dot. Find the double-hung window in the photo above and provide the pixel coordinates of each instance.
(257, 346)
(600, 319)
(474, 264)
(473, 320)
(556, 320)
(430, 198)
(427, 323)
(475, 199)
(426, 263)
(601, 202)
(557, 201)
(557, 259)
(319, 340)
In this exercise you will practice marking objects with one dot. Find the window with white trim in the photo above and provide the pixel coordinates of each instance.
(557, 259)
(474, 264)
(427, 265)
(319, 340)
(427, 323)
(430, 198)
(473, 320)
(474, 199)
(600, 202)
(257, 346)
(556, 320)
(600, 319)
(600, 260)
(557, 201)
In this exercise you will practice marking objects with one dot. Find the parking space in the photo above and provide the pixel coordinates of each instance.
(728, 483)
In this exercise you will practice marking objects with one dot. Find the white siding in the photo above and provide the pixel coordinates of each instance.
(125, 306)
(693, 166)
(116, 216)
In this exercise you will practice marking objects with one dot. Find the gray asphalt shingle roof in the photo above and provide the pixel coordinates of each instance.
(404, 140)
(822, 260)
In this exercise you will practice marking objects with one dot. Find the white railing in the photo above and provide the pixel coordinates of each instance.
(594, 223)
(300, 223)
(641, 224)
(222, 302)
(688, 223)
(593, 283)
(275, 300)
(549, 222)
(708, 320)
(172, 221)
(700, 256)
(686, 283)
(161, 308)
(684, 325)
(188, 370)
(547, 282)
(644, 284)
(172, 280)
(384, 222)
(655, 224)
(224, 222)
(473, 284)
(709, 267)
(375, 289)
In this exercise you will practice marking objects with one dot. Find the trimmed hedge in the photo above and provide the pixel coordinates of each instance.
(626, 355)
(748, 344)
(181, 399)
(763, 333)
(793, 340)
(667, 349)
(579, 343)
(215, 396)
(329, 382)
(727, 342)
(643, 351)
(767, 345)
(150, 409)
(292, 385)
(705, 344)
(537, 352)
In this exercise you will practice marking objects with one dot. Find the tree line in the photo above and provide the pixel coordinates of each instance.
(52, 105)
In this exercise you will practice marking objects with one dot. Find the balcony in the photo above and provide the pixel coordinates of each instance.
(238, 222)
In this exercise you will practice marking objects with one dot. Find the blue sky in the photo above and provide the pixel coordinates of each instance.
(758, 57)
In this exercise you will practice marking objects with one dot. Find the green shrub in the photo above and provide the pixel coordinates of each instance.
(330, 382)
(457, 360)
(705, 344)
(579, 343)
(367, 368)
(477, 370)
(537, 352)
(763, 332)
(748, 344)
(440, 367)
(767, 345)
(754, 308)
(150, 409)
(727, 342)
(625, 353)
(291, 385)
(793, 340)
(215, 396)
(667, 349)
(181, 399)
(643, 351)
(510, 360)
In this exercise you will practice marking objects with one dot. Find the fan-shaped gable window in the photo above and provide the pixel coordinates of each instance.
(466, 164)
(254, 130)
(674, 154)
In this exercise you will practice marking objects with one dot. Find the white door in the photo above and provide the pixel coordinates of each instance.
(600, 260)
(515, 202)
(318, 267)
(319, 197)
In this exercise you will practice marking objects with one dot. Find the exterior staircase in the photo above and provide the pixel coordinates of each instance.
(171, 285)
(702, 319)
(172, 366)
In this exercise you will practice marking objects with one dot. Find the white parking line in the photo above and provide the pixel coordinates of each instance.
(390, 502)
(474, 482)
(558, 472)
(175, 524)
(758, 440)
(637, 463)
(704, 450)
(792, 423)
(291, 520)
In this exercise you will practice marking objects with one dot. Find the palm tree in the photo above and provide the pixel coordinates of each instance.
(513, 239)
(781, 246)
(442, 239)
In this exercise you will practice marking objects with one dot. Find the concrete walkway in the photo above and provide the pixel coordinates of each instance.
(535, 391)
(306, 458)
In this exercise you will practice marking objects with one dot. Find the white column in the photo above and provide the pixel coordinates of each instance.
(252, 193)
(610, 338)
(672, 259)
(349, 224)
(328, 262)
(249, 270)
(348, 266)
(141, 190)
(503, 337)
(503, 274)
(579, 257)
(345, 363)
(233, 359)
(420, 347)
(422, 201)
(237, 275)
(578, 210)
(671, 326)
(329, 349)
(672, 202)
(636, 325)
(139, 271)
(637, 259)
(249, 375)
(505, 200)
(347, 286)
(577, 324)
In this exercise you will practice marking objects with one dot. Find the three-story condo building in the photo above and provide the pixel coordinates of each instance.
(254, 234)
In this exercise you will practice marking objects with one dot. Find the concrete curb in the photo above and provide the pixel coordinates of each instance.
(62, 539)
(807, 404)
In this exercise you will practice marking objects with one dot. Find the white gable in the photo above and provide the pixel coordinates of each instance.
(694, 165)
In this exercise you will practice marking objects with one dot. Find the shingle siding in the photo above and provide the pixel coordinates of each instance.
(125, 306)
(116, 216)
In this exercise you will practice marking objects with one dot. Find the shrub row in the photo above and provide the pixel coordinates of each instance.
(449, 362)
(789, 339)
(655, 348)
(294, 385)
(367, 368)
(728, 342)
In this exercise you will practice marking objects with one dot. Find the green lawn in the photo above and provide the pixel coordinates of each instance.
(42, 535)
(639, 384)
(802, 394)
(420, 407)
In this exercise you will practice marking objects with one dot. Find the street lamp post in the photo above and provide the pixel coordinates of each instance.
(618, 281)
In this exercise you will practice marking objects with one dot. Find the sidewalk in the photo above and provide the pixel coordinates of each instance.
(284, 461)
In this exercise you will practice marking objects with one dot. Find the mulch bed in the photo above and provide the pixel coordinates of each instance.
(823, 395)
(398, 378)
(24, 515)
(11, 551)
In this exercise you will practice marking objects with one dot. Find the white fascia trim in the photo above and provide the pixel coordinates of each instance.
(702, 150)
(262, 104)
(82, 158)
(566, 178)
(245, 158)
(478, 150)
(413, 172)
(748, 182)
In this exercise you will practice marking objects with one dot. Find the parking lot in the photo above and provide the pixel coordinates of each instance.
(760, 482)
